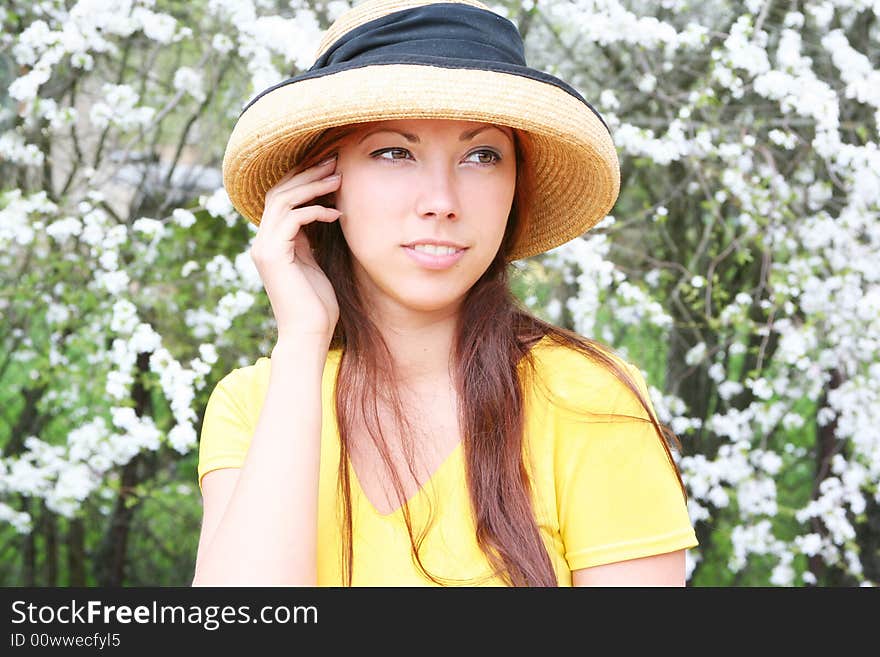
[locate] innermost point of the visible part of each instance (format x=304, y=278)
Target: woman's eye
x=390, y=150
x=494, y=157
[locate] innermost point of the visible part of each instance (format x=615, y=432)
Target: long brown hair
x=494, y=333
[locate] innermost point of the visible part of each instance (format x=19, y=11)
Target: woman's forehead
x=419, y=126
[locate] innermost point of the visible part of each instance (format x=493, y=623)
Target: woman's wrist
x=301, y=350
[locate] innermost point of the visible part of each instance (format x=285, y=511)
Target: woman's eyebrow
x=414, y=139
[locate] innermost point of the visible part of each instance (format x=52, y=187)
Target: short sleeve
x=618, y=495
x=227, y=427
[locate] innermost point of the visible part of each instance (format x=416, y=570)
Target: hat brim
x=575, y=171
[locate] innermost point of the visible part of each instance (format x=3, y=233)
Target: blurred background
x=740, y=267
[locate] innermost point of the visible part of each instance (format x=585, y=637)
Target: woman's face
x=436, y=182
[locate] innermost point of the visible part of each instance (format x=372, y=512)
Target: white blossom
x=188, y=267
x=149, y=227
x=15, y=150
x=208, y=353
x=222, y=43
x=63, y=229
x=183, y=438
x=119, y=107
x=219, y=205
x=124, y=318
x=190, y=81
x=159, y=27
x=183, y=218
x=695, y=354
x=19, y=520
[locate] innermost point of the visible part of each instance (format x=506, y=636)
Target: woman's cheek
x=365, y=242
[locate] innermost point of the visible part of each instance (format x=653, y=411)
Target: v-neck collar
x=431, y=481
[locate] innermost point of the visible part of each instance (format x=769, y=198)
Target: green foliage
x=166, y=532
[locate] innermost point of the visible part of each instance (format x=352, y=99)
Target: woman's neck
x=420, y=343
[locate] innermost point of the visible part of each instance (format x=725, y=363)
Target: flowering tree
x=126, y=279
x=748, y=136
x=736, y=269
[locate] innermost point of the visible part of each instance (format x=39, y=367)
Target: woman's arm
x=657, y=570
x=259, y=523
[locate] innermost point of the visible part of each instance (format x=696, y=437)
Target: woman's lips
x=431, y=261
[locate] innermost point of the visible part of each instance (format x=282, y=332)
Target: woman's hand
x=303, y=300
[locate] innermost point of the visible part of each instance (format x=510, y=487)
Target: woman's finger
x=296, y=196
x=289, y=225
x=293, y=198
x=310, y=174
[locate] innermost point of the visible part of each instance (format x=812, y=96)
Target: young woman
x=415, y=425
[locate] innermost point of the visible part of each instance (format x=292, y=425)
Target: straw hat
x=414, y=59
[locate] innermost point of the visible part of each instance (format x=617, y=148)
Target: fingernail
x=327, y=161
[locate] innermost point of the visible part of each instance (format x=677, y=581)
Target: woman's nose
x=439, y=194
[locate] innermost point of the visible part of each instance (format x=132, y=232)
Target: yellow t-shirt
x=603, y=488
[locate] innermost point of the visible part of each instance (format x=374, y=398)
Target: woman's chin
x=420, y=290
x=426, y=298
x=431, y=304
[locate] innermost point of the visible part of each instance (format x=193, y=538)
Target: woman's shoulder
x=254, y=377
x=244, y=376
x=583, y=381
